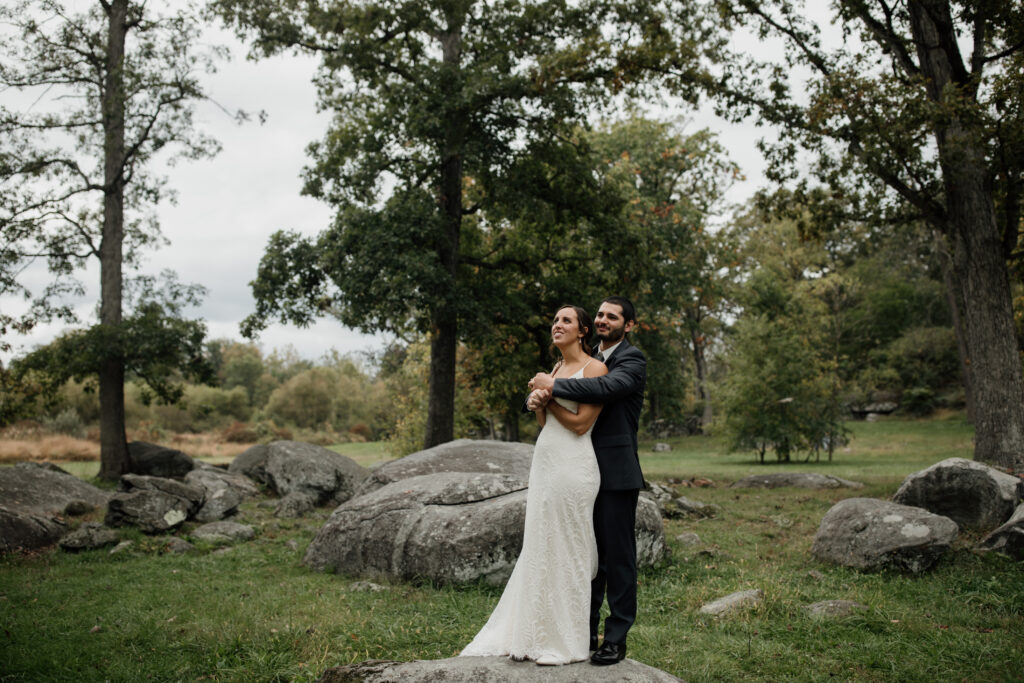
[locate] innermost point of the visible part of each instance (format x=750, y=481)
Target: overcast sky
x=229, y=205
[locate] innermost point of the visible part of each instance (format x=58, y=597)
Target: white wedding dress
x=544, y=613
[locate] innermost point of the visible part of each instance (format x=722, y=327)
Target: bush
x=241, y=432
x=65, y=422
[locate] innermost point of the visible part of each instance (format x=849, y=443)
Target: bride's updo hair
x=586, y=326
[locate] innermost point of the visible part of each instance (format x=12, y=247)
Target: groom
x=614, y=435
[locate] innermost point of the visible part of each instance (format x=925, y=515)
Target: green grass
x=256, y=614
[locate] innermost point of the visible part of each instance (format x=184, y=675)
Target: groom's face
x=609, y=325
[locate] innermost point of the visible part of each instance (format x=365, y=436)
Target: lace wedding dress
x=544, y=613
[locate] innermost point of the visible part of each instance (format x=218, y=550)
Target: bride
x=544, y=613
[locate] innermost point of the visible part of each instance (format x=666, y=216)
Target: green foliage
x=154, y=344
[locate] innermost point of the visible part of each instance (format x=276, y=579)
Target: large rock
x=152, y=460
x=447, y=527
x=802, y=480
x=303, y=474
x=734, y=602
x=461, y=455
x=153, y=504
x=21, y=530
x=224, y=492
x=872, y=535
x=89, y=536
x=1009, y=538
x=492, y=670
x=45, y=490
x=971, y=493
x=224, y=532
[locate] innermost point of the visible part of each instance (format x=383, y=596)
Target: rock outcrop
x=447, y=527
x=969, y=492
x=225, y=491
x=492, y=670
x=461, y=455
x=802, y=480
x=152, y=460
x=153, y=504
x=20, y=530
x=1009, y=538
x=302, y=474
x=45, y=489
x=873, y=535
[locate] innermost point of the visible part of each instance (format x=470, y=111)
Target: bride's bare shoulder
x=595, y=368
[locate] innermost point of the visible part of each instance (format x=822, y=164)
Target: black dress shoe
x=609, y=653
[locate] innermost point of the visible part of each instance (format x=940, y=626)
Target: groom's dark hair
x=628, y=312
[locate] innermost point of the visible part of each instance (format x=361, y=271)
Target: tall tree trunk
x=701, y=372
x=978, y=259
x=512, y=413
x=113, y=446
x=954, y=296
x=441, y=392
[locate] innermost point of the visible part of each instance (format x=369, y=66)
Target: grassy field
x=254, y=613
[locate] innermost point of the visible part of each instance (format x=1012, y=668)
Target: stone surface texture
x=225, y=491
x=1009, y=538
x=733, y=602
x=153, y=460
x=873, y=535
x=303, y=475
x=20, y=530
x=224, y=532
x=803, y=480
x=45, y=489
x=461, y=455
x=834, y=608
x=153, y=504
x=447, y=527
x=89, y=536
x=683, y=507
x=492, y=670
x=971, y=493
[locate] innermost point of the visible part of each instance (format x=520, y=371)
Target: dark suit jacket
x=621, y=392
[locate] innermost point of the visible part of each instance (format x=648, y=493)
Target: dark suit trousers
x=615, y=528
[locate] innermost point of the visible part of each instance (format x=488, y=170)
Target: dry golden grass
x=59, y=448
x=50, y=447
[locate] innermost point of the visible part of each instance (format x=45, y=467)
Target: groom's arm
x=627, y=377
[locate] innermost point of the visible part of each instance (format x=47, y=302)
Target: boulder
x=446, y=527
x=292, y=468
x=733, y=602
x=295, y=505
x=833, y=609
x=873, y=535
x=1009, y=538
x=252, y=463
x=662, y=447
x=21, y=530
x=178, y=546
x=688, y=538
x=153, y=504
x=661, y=495
x=461, y=455
x=802, y=480
x=45, y=490
x=224, y=492
x=152, y=460
x=971, y=493
x=492, y=670
x=687, y=507
x=224, y=532
x=89, y=536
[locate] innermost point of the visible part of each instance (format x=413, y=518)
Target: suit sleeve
x=626, y=378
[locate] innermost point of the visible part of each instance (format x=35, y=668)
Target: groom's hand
x=542, y=381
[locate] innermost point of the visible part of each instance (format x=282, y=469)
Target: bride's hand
x=538, y=399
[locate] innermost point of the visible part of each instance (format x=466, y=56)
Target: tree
x=430, y=98
x=106, y=91
x=915, y=115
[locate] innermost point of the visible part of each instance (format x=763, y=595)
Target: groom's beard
x=611, y=336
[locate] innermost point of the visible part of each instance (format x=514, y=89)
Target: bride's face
x=565, y=329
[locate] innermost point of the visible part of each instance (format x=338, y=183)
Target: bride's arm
x=579, y=422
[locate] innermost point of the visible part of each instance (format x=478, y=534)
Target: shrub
x=241, y=432
x=65, y=422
